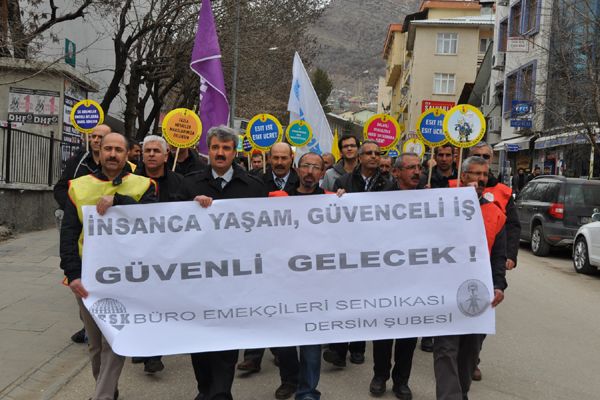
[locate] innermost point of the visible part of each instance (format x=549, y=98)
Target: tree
x=323, y=87
x=23, y=25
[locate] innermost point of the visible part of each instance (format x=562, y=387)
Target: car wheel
x=539, y=246
x=581, y=259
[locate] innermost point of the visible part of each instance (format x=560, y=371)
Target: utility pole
x=236, y=53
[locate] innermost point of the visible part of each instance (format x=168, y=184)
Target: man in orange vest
x=501, y=195
x=455, y=356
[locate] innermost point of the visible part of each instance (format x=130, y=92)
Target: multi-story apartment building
x=544, y=51
x=432, y=54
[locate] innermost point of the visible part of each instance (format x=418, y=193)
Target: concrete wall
x=24, y=209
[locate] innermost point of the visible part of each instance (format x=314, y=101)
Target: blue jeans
x=310, y=372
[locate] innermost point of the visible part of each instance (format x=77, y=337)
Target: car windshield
x=584, y=195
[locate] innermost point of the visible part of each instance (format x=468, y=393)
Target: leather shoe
x=476, y=374
x=357, y=358
x=79, y=336
x=248, y=366
x=402, y=392
x=377, y=386
x=334, y=358
x=152, y=365
x=427, y=344
x=285, y=391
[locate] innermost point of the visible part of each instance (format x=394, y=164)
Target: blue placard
x=432, y=128
x=521, y=123
x=247, y=145
x=393, y=153
x=87, y=117
x=520, y=108
x=264, y=133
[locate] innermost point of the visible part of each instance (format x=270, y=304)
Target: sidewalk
x=37, y=317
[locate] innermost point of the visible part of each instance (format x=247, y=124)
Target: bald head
x=96, y=137
x=281, y=159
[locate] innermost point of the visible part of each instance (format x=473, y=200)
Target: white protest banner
x=175, y=278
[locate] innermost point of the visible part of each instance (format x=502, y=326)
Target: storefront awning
x=515, y=144
x=561, y=139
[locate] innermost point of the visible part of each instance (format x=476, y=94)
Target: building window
x=483, y=44
x=520, y=85
x=444, y=83
x=531, y=16
x=515, y=20
x=503, y=35
x=446, y=43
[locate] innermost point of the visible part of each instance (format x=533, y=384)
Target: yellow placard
x=464, y=126
x=182, y=128
x=86, y=115
x=414, y=146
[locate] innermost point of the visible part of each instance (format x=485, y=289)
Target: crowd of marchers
x=114, y=171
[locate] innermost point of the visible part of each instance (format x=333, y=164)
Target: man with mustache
x=443, y=170
x=215, y=370
x=385, y=166
x=82, y=163
x=455, y=356
x=111, y=185
x=280, y=175
x=303, y=374
x=407, y=173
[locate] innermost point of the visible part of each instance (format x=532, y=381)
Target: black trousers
x=343, y=348
x=403, y=356
x=289, y=366
x=214, y=373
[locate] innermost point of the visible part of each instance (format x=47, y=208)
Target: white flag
x=304, y=105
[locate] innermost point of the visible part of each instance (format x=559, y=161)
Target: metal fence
x=31, y=158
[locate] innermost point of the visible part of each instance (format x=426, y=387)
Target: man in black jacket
x=155, y=153
x=82, y=163
x=406, y=172
x=443, y=170
x=215, y=370
x=366, y=177
x=110, y=186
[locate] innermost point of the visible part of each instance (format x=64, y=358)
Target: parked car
x=586, y=250
x=552, y=208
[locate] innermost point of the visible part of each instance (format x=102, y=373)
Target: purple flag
x=206, y=62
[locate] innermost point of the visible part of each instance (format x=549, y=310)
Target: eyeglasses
x=310, y=166
x=349, y=146
x=484, y=156
x=371, y=153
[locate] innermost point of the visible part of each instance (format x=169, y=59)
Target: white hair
x=155, y=138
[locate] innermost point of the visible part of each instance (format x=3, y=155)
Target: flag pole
x=236, y=55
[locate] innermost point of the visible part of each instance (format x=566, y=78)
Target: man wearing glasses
x=501, y=195
x=455, y=356
x=348, y=146
x=407, y=172
x=308, y=369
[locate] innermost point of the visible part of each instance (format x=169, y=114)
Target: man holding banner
x=215, y=370
x=111, y=185
x=455, y=357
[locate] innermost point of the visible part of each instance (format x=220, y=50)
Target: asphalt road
x=547, y=346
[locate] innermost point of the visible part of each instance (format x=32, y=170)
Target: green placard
x=70, y=53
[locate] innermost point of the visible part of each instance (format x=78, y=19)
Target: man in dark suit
x=280, y=175
x=215, y=370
